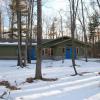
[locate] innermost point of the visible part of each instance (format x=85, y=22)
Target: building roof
x=46, y=43
x=66, y=41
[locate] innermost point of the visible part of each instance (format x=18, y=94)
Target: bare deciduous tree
x=73, y=11
x=38, y=74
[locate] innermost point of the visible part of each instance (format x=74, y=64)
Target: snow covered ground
x=67, y=87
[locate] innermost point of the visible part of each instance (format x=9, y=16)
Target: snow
x=95, y=97
x=67, y=87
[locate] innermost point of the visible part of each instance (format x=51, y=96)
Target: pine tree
x=93, y=24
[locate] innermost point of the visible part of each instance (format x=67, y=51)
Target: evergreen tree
x=93, y=24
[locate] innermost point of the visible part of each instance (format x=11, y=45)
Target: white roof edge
x=14, y=43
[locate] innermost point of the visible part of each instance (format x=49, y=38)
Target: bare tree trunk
x=12, y=20
x=31, y=24
x=0, y=26
x=3, y=30
x=26, y=44
x=93, y=46
x=84, y=30
x=38, y=74
x=72, y=12
x=19, y=35
x=61, y=26
x=61, y=20
x=98, y=3
x=28, y=37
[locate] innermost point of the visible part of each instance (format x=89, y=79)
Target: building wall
x=61, y=53
x=80, y=52
x=57, y=52
x=10, y=52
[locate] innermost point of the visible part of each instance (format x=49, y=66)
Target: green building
x=51, y=49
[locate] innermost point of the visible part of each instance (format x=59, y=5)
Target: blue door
x=33, y=54
x=69, y=53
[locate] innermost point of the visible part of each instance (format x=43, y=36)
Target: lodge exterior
x=52, y=49
x=62, y=48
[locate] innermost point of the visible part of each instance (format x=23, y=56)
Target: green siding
x=8, y=51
